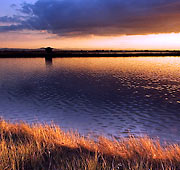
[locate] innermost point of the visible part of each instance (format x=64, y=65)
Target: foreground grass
x=43, y=147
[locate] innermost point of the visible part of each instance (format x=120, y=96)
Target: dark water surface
x=111, y=96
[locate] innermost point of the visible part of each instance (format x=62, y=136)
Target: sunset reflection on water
x=111, y=96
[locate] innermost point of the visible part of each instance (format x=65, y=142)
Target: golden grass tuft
x=47, y=147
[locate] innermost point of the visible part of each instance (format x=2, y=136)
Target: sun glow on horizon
x=38, y=39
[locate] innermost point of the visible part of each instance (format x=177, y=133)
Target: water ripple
x=111, y=96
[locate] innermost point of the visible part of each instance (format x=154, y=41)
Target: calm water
x=111, y=96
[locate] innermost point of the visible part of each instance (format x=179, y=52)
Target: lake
x=98, y=96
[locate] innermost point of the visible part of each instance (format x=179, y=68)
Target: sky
x=90, y=24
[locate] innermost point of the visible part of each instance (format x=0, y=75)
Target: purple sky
x=8, y=7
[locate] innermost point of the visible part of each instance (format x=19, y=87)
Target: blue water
x=109, y=96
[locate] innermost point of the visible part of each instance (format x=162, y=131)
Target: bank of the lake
x=40, y=146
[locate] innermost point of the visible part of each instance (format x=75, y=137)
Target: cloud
x=97, y=17
x=7, y=19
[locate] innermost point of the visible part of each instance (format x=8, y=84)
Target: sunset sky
x=90, y=24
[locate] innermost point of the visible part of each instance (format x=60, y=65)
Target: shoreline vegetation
x=47, y=147
x=4, y=53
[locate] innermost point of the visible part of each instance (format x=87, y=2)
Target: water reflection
x=113, y=96
x=48, y=62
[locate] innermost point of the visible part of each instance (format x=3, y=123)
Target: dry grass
x=43, y=147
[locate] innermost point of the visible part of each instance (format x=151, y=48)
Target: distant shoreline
x=100, y=53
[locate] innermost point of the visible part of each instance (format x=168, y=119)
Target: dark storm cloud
x=100, y=17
